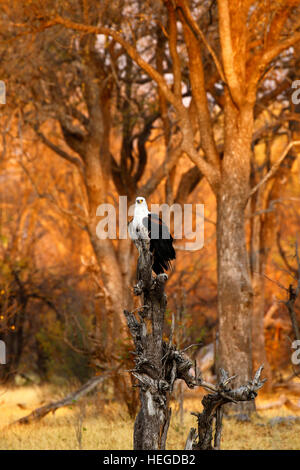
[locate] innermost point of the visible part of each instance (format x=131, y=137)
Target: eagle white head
x=141, y=202
x=140, y=208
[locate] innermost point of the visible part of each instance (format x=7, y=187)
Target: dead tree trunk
x=153, y=419
x=158, y=364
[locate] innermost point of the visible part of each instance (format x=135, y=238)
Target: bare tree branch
x=62, y=153
x=228, y=55
x=274, y=167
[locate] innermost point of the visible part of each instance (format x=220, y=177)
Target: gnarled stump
x=209, y=436
x=158, y=364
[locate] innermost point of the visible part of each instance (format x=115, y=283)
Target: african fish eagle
x=146, y=225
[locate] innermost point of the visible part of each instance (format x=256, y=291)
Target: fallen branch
x=293, y=387
x=273, y=404
x=70, y=399
x=155, y=379
x=282, y=401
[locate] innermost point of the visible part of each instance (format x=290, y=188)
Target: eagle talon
x=137, y=290
x=163, y=277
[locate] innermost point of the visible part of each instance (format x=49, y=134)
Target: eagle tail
x=163, y=252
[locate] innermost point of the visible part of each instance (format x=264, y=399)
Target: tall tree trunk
x=258, y=330
x=103, y=248
x=235, y=296
x=234, y=292
x=258, y=263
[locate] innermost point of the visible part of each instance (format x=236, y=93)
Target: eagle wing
x=161, y=243
x=130, y=228
x=157, y=229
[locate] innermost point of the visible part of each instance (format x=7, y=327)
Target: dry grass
x=107, y=425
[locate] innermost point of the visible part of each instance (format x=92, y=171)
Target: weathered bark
x=153, y=419
x=234, y=291
x=207, y=438
x=235, y=296
x=158, y=364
